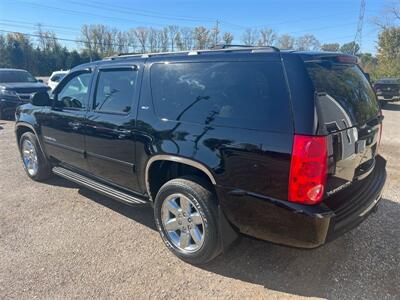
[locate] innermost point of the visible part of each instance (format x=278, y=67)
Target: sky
x=329, y=20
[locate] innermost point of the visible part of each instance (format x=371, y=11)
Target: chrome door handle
x=122, y=133
x=75, y=125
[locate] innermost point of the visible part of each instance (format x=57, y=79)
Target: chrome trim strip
x=63, y=146
x=371, y=206
x=82, y=180
x=177, y=159
x=114, y=160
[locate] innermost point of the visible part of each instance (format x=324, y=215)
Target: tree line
x=42, y=52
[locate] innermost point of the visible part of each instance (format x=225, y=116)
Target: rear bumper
x=304, y=226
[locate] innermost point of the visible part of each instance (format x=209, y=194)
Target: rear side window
x=234, y=94
x=346, y=84
x=115, y=90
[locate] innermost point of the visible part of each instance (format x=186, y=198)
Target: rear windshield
x=16, y=76
x=348, y=86
x=233, y=94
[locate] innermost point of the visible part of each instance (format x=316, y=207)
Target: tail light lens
x=308, y=169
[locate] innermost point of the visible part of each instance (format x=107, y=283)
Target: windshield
x=16, y=76
x=348, y=86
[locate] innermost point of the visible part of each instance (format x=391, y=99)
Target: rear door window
x=115, y=90
x=234, y=94
x=348, y=87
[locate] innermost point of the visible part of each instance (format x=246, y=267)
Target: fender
x=30, y=126
x=178, y=159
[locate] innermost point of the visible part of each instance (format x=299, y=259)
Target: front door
x=110, y=124
x=63, y=126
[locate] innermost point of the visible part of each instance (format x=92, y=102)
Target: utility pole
x=216, y=32
x=358, y=36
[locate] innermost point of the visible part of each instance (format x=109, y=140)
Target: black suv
x=281, y=146
x=387, y=90
x=16, y=88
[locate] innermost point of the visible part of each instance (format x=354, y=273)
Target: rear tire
x=34, y=161
x=192, y=236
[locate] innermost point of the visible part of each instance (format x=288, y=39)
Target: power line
x=125, y=10
x=44, y=24
x=79, y=13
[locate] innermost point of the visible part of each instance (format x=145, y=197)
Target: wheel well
x=162, y=171
x=21, y=130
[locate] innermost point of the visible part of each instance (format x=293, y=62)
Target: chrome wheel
x=183, y=223
x=30, y=157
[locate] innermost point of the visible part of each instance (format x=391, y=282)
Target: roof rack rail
x=217, y=48
x=238, y=46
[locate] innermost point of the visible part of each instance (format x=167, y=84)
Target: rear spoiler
x=333, y=57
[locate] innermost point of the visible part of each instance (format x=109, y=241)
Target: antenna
x=358, y=36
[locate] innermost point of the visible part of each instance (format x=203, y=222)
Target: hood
x=24, y=87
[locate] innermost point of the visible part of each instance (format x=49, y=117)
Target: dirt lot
x=58, y=240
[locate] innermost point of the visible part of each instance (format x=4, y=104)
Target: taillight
x=308, y=169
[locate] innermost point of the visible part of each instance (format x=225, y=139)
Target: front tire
x=34, y=161
x=185, y=211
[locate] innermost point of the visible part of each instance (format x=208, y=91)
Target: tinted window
x=74, y=94
x=16, y=76
x=234, y=94
x=115, y=91
x=346, y=84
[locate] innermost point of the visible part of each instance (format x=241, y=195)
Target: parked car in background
x=279, y=145
x=16, y=88
x=387, y=90
x=55, y=78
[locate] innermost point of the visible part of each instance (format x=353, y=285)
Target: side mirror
x=41, y=99
x=40, y=80
x=368, y=77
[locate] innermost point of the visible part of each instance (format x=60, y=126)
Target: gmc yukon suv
x=279, y=145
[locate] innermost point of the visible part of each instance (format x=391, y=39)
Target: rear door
x=349, y=113
x=110, y=124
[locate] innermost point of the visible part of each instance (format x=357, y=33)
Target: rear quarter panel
x=252, y=160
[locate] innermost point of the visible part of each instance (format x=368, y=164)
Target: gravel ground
x=58, y=240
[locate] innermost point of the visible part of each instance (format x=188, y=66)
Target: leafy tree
x=350, y=48
x=389, y=51
x=332, y=47
x=307, y=42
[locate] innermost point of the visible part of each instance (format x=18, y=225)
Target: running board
x=97, y=186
